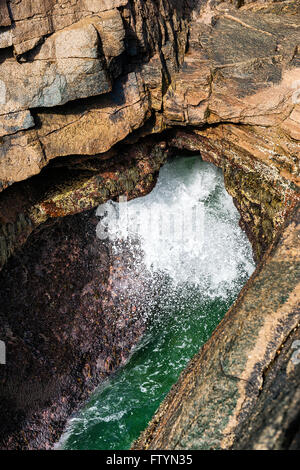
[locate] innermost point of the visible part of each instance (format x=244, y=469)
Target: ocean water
x=187, y=246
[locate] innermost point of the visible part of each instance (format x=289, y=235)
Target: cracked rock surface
x=242, y=389
x=94, y=95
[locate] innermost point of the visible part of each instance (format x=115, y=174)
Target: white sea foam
x=187, y=228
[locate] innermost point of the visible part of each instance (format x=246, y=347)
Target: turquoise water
x=183, y=313
x=122, y=407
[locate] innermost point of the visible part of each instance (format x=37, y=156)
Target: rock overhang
x=239, y=109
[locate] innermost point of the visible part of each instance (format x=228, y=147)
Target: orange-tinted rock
x=97, y=127
x=80, y=78
x=4, y=14
x=221, y=386
x=71, y=51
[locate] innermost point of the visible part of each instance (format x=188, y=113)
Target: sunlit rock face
x=65, y=326
x=133, y=71
x=64, y=60
x=78, y=80
x=60, y=52
x=80, y=49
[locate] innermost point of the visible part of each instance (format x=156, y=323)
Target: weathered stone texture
x=64, y=190
x=77, y=78
x=70, y=51
x=36, y=19
x=238, y=94
x=273, y=423
x=94, y=128
x=84, y=58
x=222, y=385
x=4, y=14
x=65, y=334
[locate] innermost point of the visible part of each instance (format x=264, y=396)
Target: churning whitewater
x=187, y=227
x=188, y=251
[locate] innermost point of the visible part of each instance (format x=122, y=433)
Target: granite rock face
x=94, y=95
x=242, y=389
x=238, y=94
x=59, y=52
x=109, y=71
x=33, y=21
x=126, y=55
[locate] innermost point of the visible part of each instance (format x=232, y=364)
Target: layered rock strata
x=57, y=52
x=67, y=324
x=62, y=190
x=238, y=94
x=94, y=95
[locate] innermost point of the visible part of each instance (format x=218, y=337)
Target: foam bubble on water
x=187, y=228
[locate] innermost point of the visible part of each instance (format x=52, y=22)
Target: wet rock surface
x=65, y=317
x=69, y=189
x=236, y=93
x=67, y=325
x=94, y=85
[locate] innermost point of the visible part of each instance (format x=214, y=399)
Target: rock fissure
x=102, y=93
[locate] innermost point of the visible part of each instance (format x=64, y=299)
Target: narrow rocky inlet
x=184, y=242
x=97, y=99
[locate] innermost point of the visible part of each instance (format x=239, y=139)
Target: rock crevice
x=94, y=95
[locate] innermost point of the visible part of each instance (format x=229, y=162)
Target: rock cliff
x=94, y=95
x=242, y=390
x=57, y=52
x=223, y=80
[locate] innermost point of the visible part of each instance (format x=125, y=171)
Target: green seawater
x=200, y=276
x=124, y=405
